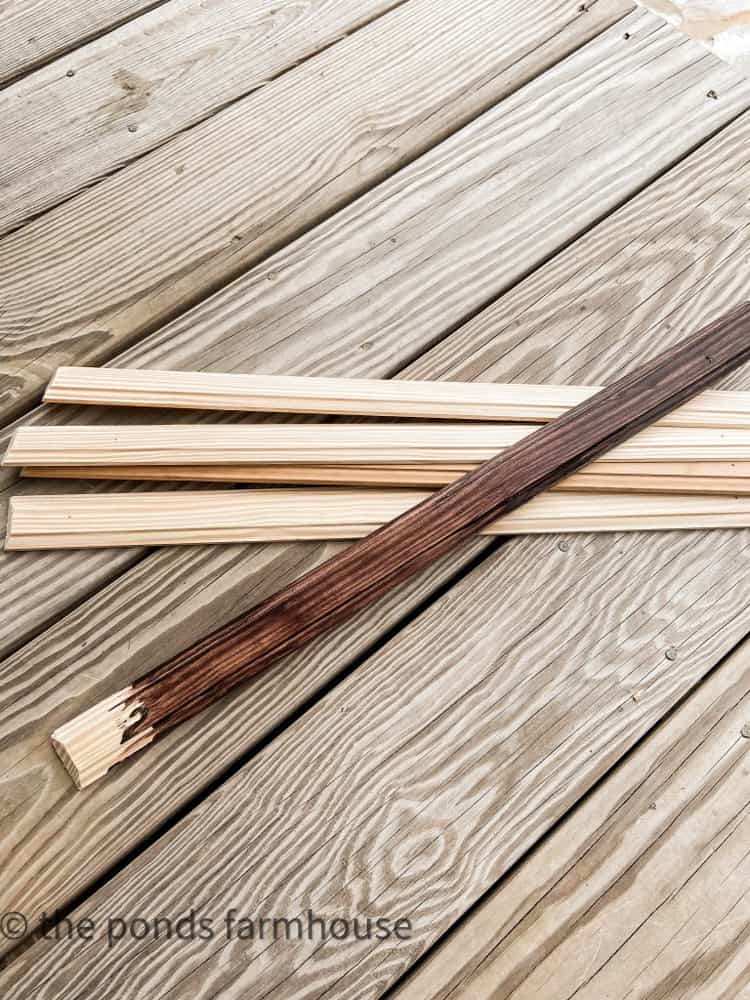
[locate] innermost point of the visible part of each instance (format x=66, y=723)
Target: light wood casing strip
x=361, y=397
x=121, y=519
x=354, y=444
x=637, y=477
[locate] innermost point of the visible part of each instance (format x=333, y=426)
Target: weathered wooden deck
x=534, y=752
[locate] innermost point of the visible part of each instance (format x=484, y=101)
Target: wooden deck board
x=642, y=890
x=87, y=115
x=347, y=299
x=228, y=191
x=635, y=598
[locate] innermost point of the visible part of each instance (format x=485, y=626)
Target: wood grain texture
x=34, y=591
x=461, y=761
x=352, y=444
x=119, y=631
x=641, y=892
x=263, y=170
x=229, y=516
x=375, y=299
x=671, y=592
x=635, y=477
x=89, y=113
x=363, y=397
x=658, y=250
x=171, y=595
x=35, y=33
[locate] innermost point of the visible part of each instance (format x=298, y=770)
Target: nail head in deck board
x=179, y=688
x=185, y=60
x=373, y=102
x=53, y=864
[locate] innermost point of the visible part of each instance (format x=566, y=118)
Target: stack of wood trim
x=691, y=469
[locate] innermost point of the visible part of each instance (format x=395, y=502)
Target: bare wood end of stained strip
x=95, y=741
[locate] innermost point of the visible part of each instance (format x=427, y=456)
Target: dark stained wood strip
x=327, y=595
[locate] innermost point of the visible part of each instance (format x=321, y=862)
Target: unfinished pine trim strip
x=182, y=686
x=91, y=521
x=322, y=444
x=361, y=397
x=638, y=477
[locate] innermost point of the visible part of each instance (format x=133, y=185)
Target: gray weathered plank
x=137, y=250
x=642, y=890
x=34, y=32
x=379, y=282
x=89, y=113
x=453, y=749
